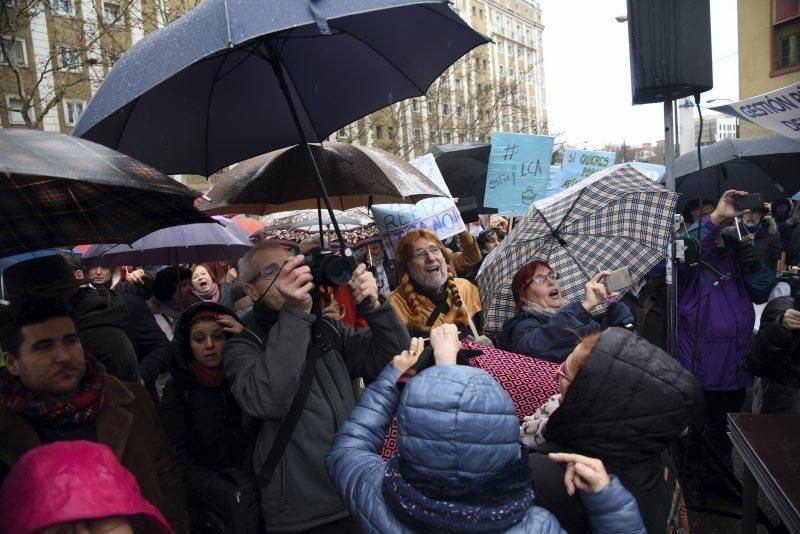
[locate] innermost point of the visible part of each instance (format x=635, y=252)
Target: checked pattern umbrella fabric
x=613, y=219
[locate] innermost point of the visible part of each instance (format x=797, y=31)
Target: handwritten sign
x=519, y=166
x=578, y=164
x=554, y=181
x=438, y=214
x=778, y=110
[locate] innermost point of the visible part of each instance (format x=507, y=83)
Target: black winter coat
x=625, y=406
x=777, y=349
x=203, y=424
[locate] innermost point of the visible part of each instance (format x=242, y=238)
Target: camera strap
x=316, y=350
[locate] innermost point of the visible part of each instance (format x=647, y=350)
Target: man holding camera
x=776, y=358
x=265, y=366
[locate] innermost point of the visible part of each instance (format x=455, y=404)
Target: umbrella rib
x=208, y=109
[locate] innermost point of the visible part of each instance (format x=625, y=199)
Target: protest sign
x=438, y=214
x=554, y=181
x=778, y=110
x=519, y=165
x=578, y=164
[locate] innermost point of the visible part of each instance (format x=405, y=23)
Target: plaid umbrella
x=615, y=218
x=58, y=191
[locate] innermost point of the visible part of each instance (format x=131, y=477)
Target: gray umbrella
x=231, y=80
x=285, y=180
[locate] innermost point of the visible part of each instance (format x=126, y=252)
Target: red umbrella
x=247, y=224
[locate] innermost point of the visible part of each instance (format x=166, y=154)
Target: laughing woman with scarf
x=545, y=326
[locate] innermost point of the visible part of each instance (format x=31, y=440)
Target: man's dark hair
x=28, y=310
x=167, y=280
x=693, y=205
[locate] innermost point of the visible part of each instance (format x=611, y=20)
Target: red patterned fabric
x=529, y=381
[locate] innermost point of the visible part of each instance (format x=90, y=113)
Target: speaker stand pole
x=669, y=177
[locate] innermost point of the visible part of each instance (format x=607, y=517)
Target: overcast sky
x=587, y=71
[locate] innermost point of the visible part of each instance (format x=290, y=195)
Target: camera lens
x=336, y=270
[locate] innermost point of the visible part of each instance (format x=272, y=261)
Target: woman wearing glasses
x=545, y=325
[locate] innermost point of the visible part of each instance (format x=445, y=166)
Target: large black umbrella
x=769, y=165
x=58, y=191
x=285, y=180
x=232, y=80
x=463, y=167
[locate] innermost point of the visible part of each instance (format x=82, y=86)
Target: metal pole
x=669, y=176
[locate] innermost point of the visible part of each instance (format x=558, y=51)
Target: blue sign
x=554, y=181
x=519, y=165
x=578, y=164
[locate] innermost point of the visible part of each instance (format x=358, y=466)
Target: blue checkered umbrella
x=615, y=218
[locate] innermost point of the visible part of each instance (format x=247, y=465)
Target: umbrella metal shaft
x=274, y=60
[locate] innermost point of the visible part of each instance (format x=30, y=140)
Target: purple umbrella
x=187, y=244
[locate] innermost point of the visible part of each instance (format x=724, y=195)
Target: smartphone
x=618, y=280
x=750, y=202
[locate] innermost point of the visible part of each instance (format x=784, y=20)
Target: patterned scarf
x=492, y=502
x=210, y=377
x=209, y=295
x=81, y=408
x=538, y=309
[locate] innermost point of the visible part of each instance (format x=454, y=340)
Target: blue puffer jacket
x=553, y=338
x=450, y=419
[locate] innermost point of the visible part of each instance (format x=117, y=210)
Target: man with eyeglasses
x=264, y=365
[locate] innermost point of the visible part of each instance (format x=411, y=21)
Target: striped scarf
x=82, y=407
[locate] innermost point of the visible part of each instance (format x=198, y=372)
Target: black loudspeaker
x=670, y=42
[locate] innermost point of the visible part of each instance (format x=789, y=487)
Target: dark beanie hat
x=167, y=280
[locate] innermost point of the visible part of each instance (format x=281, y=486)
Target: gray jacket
x=301, y=496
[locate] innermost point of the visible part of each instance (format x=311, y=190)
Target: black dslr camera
x=329, y=268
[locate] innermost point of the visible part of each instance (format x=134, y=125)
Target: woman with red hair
x=545, y=325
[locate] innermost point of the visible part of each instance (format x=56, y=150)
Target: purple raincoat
x=726, y=318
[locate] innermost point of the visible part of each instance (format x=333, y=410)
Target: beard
x=432, y=281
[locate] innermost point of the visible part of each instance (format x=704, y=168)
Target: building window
x=68, y=58
x=112, y=14
x=414, y=104
x=458, y=83
x=62, y=7
x=431, y=107
x=14, y=107
x=417, y=134
x=445, y=109
x=73, y=109
x=378, y=132
x=390, y=131
x=510, y=49
x=446, y=138
x=14, y=51
x=502, y=70
x=473, y=11
x=511, y=73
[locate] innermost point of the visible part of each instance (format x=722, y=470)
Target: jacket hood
x=99, y=307
x=626, y=404
x=181, y=351
x=69, y=481
x=456, y=421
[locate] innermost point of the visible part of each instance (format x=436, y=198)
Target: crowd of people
x=252, y=396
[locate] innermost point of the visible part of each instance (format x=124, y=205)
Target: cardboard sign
x=778, y=110
x=438, y=214
x=578, y=164
x=519, y=165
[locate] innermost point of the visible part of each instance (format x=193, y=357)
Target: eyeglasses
x=267, y=272
x=540, y=279
x=422, y=253
x=560, y=372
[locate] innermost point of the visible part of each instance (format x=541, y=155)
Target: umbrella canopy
x=251, y=226
x=56, y=191
x=284, y=180
x=769, y=165
x=188, y=244
x=463, y=167
x=615, y=218
x=222, y=83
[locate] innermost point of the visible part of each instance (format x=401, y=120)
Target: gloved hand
x=745, y=254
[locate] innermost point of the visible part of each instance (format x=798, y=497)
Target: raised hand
x=295, y=283
x=363, y=286
x=445, y=344
x=596, y=293
x=408, y=358
x=583, y=473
